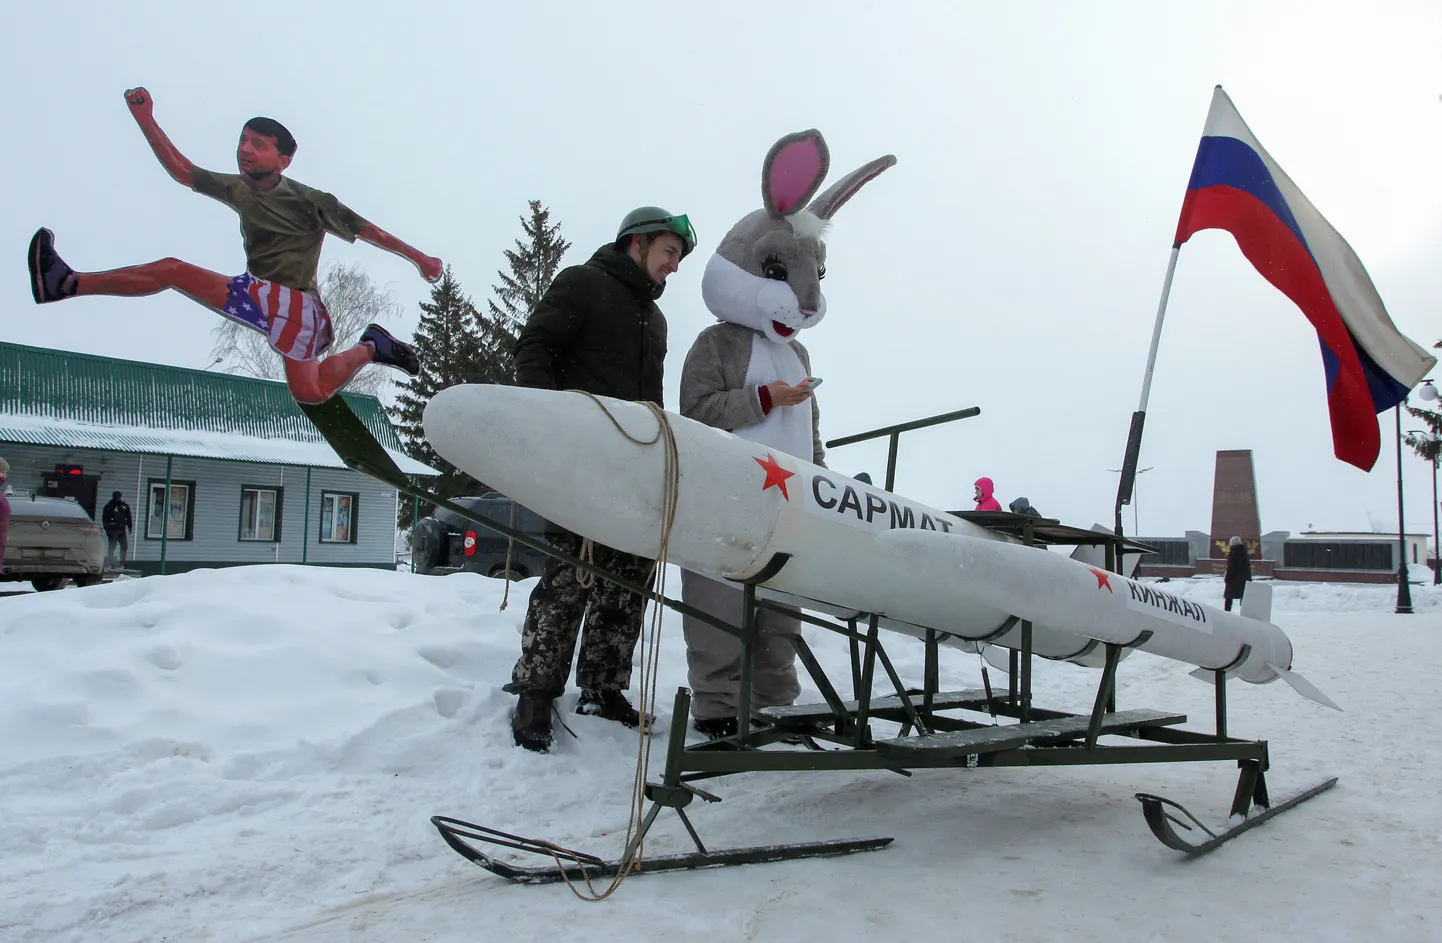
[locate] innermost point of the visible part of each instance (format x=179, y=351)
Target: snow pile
x=253, y=753
x=1288, y=596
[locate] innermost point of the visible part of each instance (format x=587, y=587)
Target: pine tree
x=456, y=343
x=1427, y=444
x=533, y=265
x=448, y=343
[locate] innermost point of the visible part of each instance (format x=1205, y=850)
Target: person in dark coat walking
x=597, y=329
x=4, y=508
x=116, y=520
x=1239, y=572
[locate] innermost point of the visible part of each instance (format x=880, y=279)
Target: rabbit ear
x=793, y=172
x=836, y=195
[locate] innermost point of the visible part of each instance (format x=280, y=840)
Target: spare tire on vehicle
x=428, y=545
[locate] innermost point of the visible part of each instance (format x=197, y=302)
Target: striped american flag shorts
x=296, y=322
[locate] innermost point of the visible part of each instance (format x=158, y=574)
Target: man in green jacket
x=597, y=329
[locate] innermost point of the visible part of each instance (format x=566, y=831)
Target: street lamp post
x=1428, y=393
x=1404, y=588
x=1434, y=443
x=1436, y=553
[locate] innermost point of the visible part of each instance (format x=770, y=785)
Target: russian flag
x=1370, y=365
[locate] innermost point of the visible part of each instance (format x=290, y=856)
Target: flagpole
x=1134, y=435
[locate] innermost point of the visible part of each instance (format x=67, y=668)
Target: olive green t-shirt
x=283, y=227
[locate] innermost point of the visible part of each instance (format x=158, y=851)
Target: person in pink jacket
x=985, y=496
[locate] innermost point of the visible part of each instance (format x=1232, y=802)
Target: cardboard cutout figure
x=282, y=224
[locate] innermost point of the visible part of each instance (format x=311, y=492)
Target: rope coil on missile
x=650, y=658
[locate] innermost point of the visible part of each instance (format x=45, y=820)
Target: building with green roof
x=218, y=469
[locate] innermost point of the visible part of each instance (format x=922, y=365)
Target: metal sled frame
x=939, y=729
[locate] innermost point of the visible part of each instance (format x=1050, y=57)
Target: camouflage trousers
x=553, y=623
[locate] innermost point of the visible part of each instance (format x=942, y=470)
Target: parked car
x=449, y=543
x=51, y=541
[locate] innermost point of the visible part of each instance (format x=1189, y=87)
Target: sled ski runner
x=1161, y=821
x=964, y=730
x=579, y=866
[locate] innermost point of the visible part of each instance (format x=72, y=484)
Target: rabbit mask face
x=766, y=273
x=766, y=277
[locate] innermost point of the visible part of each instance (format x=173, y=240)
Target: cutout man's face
x=257, y=155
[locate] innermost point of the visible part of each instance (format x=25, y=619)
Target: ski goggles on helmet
x=680, y=225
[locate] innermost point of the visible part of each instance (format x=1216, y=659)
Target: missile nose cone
x=548, y=451
x=451, y=409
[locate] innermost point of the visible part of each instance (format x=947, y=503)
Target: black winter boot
x=50, y=278
x=389, y=351
x=719, y=728
x=531, y=723
x=716, y=728
x=610, y=705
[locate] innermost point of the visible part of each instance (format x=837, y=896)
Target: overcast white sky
x=1011, y=260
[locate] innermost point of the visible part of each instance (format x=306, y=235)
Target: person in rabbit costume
x=749, y=375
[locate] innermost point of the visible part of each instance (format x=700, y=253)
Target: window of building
x=1338, y=555
x=338, y=510
x=173, y=519
x=260, y=509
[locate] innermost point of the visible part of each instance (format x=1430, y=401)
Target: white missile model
x=818, y=539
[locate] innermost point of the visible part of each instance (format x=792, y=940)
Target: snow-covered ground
x=253, y=754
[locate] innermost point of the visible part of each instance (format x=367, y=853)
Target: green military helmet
x=654, y=219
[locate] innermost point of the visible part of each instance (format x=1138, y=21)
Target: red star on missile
x=775, y=475
x=1103, y=578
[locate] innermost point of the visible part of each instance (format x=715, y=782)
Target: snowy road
x=253, y=753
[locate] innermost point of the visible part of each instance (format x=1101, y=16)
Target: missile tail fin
x=1204, y=674
x=1304, y=687
x=997, y=658
x=1257, y=602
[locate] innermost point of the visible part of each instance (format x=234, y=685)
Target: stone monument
x=1235, y=513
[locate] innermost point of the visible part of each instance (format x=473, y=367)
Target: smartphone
x=810, y=383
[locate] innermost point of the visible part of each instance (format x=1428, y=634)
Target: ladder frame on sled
x=931, y=736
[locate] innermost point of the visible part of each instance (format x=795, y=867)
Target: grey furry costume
x=764, y=285
x=716, y=390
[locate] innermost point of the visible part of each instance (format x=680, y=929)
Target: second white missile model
x=825, y=541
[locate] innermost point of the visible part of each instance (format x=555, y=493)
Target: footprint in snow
x=164, y=657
